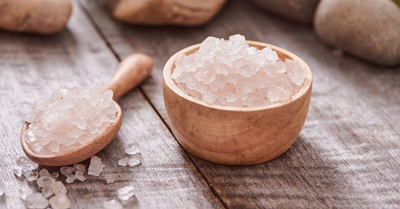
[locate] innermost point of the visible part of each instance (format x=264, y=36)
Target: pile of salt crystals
x=231, y=73
x=69, y=118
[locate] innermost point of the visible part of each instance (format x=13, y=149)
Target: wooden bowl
x=235, y=135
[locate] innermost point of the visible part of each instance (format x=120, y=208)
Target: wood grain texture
x=347, y=155
x=33, y=66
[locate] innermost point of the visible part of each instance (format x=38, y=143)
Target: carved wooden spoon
x=131, y=72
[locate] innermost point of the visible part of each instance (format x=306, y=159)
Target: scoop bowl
x=235, y=135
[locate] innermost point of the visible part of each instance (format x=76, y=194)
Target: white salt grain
x=26, y=164
x=17, y=171
x=232, y=73
x=126, y=192
x=47, y=192
x=36, y=200
x=58, y=188
x=30, y=175
x=134, y=160
x=80, y=168
x=45, y=181
x=67, y=171
x=79, y=176
x=112, y=204
x=133, y=148
x=60, y=201
x=24, y=192
x=96, y=166
x=69, y=118
x=44, y=172
x=109, y=179
x=70, y=179
x=124, y=161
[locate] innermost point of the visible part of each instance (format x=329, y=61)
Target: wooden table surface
x=347, y=155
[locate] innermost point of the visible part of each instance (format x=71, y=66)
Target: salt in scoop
x=131, y=72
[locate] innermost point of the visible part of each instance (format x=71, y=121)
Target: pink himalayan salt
x=69, y=118
x=231, y=73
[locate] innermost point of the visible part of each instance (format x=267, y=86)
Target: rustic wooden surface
x=347, y=155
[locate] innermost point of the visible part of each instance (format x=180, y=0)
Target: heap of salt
x=69, y=118
x=231, y=73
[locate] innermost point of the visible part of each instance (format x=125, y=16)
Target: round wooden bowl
x=235, y=135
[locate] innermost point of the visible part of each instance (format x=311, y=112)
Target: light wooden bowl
x=235, y=135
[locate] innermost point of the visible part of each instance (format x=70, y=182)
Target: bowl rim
x=170, y=65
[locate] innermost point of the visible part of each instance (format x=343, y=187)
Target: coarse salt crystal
x=60, y=201
x=134, y=160
x=124, y=161
x=36, y=200
x=96, y=166
x=133, y=148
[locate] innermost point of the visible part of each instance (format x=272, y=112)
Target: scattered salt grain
x=44, y=172
x=36, y=200
x=26, y=164
x=132, y=148
x=79, y=176
x=124, y=161
x=69, y=118
x=45, y=181
x=109, y=179
x=47, y=192
x=79, y=167
x=231, y=73
x=126, y=192
x=70, y=179
x=30, y=175
x=17, y=171
x=134, y=160
x=96, y=166
x=112, y=204
x=24, y=192
x=60, y=201
x=58, y=188
x=67, y=171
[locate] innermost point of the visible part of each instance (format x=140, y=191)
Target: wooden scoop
x=131, y=72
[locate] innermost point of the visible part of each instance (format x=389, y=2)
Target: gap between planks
x=109, y=46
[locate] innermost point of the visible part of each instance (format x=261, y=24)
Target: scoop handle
x=131, y=71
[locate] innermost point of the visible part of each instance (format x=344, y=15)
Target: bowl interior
x=282, y=53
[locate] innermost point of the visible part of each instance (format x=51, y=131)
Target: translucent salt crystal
x=30, y=175
x=70, y=117
x=209, y=97
x=134, y=160
x=126, y=192
x=276, y=94
x=60, y=201
x=70, y=179
x=297, y=76
x=45, y=181
x=26, y=164
x=17, y=171
x=96, y=166
x=112, y=204
x=133, y=148
x=24, y=192
x=36, y=200
x=67, y=171
x=58, y=188
x=79, y=167
x=109, y=179
x=2, y=189
x=124, y=161
x=79, y=176
x=47, y=192
x=44, y=172
x=54, y=175
x=247, y=71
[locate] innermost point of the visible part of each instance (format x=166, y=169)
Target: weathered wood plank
x=347, y=155
x=32, y=67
